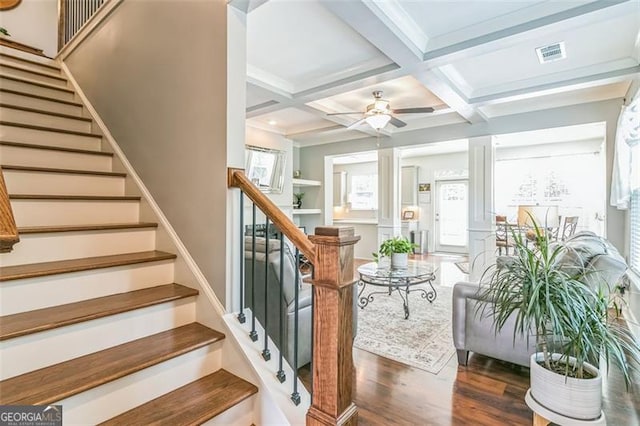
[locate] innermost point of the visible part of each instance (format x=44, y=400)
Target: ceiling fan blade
x=343, y=113
x=397, y=123
x=420, y=110
x=355, y=124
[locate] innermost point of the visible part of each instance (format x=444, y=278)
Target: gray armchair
x=272, y=273
x=594, y=257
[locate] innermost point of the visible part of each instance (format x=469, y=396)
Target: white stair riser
x=31, y=57
x=106, y=401
x=27, y=353
x=30, y=102
x=36, y=248
x=239, y=414
x=14, y=72
x=73, y=212
x=34, y=89
x=42, y=292
x=25, y=182
x=45, y=137
x=38, y=119
x=20, y=156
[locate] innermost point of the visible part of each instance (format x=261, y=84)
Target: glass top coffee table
x=403, y=281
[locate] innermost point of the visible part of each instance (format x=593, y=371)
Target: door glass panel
x=454, y=208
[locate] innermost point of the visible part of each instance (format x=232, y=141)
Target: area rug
x=463, y=266
x=423, y=341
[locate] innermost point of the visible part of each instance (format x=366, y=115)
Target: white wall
x=163, y=96
x=34, y=23
x=429, y=168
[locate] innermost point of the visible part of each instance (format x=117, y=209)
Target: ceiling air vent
x=552, y=52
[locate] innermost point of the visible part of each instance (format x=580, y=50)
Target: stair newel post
x=332, y=400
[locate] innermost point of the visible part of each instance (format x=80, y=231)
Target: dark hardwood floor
x=486, y=392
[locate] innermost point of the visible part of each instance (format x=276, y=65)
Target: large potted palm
x=567, y=310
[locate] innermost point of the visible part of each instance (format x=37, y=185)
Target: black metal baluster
x=253, y=334
x=280, y=374
x=241, y=316
x=265, y=352
x=295, y=396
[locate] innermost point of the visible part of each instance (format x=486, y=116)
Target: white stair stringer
x=42, y=292
x=31, y=352
x=47, y=247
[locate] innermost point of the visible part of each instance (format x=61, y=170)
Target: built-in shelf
x=306, y=182
x=306, y=211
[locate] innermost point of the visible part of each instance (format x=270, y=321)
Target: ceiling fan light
x=378, y=121
x=381, y=105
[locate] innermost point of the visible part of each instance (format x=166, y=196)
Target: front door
x=452, y=216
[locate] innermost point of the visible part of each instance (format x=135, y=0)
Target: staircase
x=90, y=315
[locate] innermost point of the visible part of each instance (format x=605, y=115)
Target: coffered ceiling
x=469, y=60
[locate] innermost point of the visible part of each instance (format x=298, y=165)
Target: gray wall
x=605, y=111
x=156, y=74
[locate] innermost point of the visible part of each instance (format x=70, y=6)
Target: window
x=363, y=192
x=634, y=211
x=265, y=168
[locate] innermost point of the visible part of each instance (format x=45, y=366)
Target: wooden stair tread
x=30, y=322
x=63, y=171
x=45, y=98
x=54, y=148
x=74, y=228
x=192, y=404
x=29, y=61
x=68, y=378
x=31, y=270
x=36, y=83
x=50, y=129
x=45, y=112
x=75, y=197
x=32, y=71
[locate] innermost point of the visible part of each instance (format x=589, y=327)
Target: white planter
x=568, y=396
x=399, y=260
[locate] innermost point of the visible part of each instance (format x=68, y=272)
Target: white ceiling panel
x=607, y=42
x=573, y=97
x=257, y=96
x=289, y=120
x=301, y=45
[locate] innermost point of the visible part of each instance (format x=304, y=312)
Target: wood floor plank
x=24, y=323
x=79, y=228
x=63, y=380
x=192, y=404
x=32, y=270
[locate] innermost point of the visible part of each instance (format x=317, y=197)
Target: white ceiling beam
x=558, y=86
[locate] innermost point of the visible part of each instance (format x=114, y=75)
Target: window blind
x=634, y=261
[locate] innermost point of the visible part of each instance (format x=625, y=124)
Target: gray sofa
x=272, y=273
x=584, y=253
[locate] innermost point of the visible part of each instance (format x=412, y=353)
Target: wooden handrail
x=8, y=230
x=237, y=179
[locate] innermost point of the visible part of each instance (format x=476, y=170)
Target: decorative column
x=482, y=238
x=389, y=224
x=332, y=400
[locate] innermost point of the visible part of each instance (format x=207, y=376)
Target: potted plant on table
x=571, y=320
x=398, y=249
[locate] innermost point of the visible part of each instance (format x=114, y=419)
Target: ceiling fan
x=379, y=113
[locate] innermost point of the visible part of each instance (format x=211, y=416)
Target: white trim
x=205, y=287
x=88, y=28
